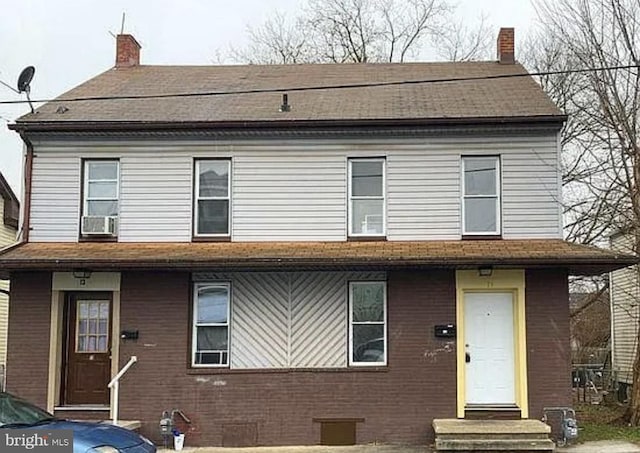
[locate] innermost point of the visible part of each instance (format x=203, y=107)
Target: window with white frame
x=211, y=308
x=101, y=188
x=368, y=323
x=366, y=197
x=213, y=197
x=481, y=195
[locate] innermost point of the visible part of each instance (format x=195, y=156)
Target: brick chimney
x=127, y=51
x=506, y=46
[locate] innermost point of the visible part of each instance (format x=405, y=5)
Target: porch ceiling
x=578, y=259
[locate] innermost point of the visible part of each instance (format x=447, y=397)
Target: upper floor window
x=366, y=197
x=101, y=193
x=210, y=342
x=213, y=197
x=481, y=195
x=368, y=323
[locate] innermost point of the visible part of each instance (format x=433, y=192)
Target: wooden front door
x=87, y=367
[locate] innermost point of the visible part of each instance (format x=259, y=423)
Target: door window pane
x=92, y=326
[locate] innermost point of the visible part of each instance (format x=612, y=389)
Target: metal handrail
x=115, y=385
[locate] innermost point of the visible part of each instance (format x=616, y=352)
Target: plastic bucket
x=178, y=442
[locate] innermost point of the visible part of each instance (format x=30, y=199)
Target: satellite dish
x=24, y=82
x=25, y=78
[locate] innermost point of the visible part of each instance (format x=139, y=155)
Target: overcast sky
x=68, y=42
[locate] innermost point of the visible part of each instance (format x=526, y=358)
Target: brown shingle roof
x=513, y=97
x=578, y=259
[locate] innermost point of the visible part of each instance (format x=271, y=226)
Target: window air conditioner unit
x=93, y=225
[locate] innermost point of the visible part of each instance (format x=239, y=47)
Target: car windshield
x=14, y=411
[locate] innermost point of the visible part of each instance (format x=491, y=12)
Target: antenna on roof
x=121, y=26
x=24, y=83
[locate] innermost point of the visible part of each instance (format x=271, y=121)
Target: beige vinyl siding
x=289, y=194
x=7, y=237
x=155, y=198
x=296, y=190
x=625, y=313
x=55, y=197
x=289, y=319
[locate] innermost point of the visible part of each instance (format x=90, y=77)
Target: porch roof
x=578, y=259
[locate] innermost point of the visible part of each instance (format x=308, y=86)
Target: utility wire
x=322, y=87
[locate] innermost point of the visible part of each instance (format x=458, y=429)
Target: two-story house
x=9, y=213
x=295, y=253
x=625, y=315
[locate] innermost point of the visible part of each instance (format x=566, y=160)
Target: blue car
x=87, y=437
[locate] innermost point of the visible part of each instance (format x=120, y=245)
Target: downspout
x=28, y=169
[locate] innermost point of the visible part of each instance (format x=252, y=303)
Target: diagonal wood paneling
x=318, y=320
x=259, y=320
x=283, y=319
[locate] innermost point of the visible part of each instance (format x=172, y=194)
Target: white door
x=489, y=349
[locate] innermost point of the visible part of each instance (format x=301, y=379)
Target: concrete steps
x=492, y=436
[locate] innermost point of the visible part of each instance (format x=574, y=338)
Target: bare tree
x=601, y=145
x=275, y=42
x=360, y=31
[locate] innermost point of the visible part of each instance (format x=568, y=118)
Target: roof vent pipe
x=285, y=107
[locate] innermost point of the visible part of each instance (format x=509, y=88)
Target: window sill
x=98, y=239
x=216, y=371
x=366, y=238
x=481, y=237
x=211, y=239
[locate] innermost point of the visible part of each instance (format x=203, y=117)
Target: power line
x=324, y=87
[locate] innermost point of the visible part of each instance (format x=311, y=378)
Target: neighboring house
x=9, y=213
x=590, y=325
x=350, y=262
x=625, y=314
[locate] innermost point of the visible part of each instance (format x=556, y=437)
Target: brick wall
x=397, y=404
x=28, y=337
x=549, y=359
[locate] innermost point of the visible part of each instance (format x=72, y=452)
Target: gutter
x=140, y=126
x=28, y=172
